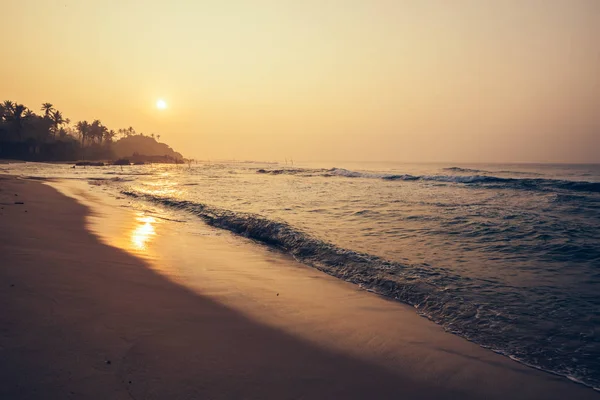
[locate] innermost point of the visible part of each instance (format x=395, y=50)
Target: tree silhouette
x=8, y=106
x=83, y=127
x=17, y=117
x=97, y=131
x=57, y=121
x=48, y=109
x=109, y=136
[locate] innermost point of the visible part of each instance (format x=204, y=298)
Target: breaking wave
x=483, y=171
x=480, y=180
x=412, y=284
x=437, y=293
x=466, y=170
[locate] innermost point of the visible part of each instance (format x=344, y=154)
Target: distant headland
x=49, y=136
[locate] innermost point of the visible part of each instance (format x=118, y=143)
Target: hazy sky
x=396, y=80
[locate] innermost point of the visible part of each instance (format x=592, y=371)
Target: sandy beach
x=92, y=311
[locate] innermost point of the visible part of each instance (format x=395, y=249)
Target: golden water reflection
x=162, y=187
x=143, y=233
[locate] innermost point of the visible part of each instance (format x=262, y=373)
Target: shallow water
x=505, y=255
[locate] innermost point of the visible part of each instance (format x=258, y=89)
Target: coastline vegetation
x=50, y=136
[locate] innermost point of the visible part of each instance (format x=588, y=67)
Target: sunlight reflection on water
x=143, y=233
x=164, y=187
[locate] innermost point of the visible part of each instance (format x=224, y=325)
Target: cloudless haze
x=466, y=81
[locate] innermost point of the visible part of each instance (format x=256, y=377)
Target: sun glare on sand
x=161, y=104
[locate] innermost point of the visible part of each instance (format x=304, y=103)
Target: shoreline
x=151, y=326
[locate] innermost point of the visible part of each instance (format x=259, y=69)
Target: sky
x=326, y=80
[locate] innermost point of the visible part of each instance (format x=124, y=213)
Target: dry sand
x=82, y=318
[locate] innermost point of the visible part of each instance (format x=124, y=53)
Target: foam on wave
x=411, y=284
x=460, y=169
x=483, y=171
x=436, y=293
x=478, y=179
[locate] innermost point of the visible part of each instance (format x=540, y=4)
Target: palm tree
x=102, y=133
x=94, y=128
x=8, y=106
x=109, y=136
x=48, y=109
x=18, y=117
x=6, y=109
x=57, y=121
x=97, y=130
x=83, y=127
x=158, y=137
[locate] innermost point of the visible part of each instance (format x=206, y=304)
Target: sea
x=506, y=256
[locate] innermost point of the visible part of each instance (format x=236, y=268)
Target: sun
x=161, y=104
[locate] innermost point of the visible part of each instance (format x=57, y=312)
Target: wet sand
x=89, y=310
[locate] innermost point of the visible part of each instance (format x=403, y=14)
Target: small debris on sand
x=19, y=202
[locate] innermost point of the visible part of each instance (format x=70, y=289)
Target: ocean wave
x=350, y=174
x=404, y=177
x=467, y=170
x=437, y=293
x=411, y=284
x=127, y=173
x=99, y=181
x=540, y=184
x=483, y=171
x=282, y=171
